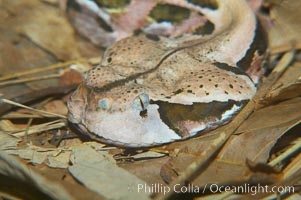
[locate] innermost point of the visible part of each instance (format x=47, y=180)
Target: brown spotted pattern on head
x=191, y=81
x=126, y=58
x=100, y=76
x=139, y=51
x=120, y=98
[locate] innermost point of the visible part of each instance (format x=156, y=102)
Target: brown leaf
x=24, y=183
x=56, y=106
x=273, y=116
x=288, y=87
x=147, y=170
x=286, y=25
x=98, y=172
x=19, y=53
x=49, y=29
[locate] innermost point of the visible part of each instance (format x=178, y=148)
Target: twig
x=38, y=128
x=17, y=115
x=296, y=147
x=45, y=113
x=5, y=83
x=37, y=70
x=285, y=47
x=195, y=168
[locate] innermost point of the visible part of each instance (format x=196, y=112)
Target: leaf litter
x=222, y=157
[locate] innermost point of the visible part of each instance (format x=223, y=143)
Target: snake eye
x=103, y=104
x=141, y=102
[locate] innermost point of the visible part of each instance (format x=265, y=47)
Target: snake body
x=150, y=90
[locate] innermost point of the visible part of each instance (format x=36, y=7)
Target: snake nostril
x=141, y=102
x=143, y=113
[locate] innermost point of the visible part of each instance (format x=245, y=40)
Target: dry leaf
x=61, y=160
x=147, y=170
x=7, y=141
x=56, y=106
x=34, y=155
x=22, y=182
x=49, y=29
x=286, y=26
x=98, y=172
x=148, y=155
x=288, y=87
x=273, y=116
x=56, y=157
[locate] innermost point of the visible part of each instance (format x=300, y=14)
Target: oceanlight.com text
x=212, y=188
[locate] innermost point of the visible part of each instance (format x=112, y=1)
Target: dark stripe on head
x=174, y=115
x=259, y=44
x=112, y=4
x=170, y=13
x=227, y=67
x=104, y=25
x=207, y=3
x=153, y=37
x=72, y=4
